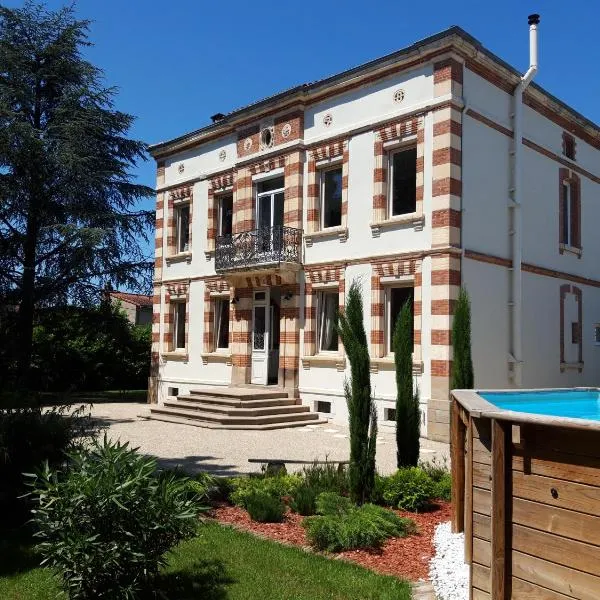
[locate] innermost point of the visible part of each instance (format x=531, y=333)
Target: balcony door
x=269, y=206
x=261, y=333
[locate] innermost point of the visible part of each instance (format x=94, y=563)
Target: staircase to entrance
x=252, y=407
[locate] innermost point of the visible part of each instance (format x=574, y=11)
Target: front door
x=260, y=337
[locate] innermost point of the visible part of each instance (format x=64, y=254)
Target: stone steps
x=236, y=402
x=241, y=410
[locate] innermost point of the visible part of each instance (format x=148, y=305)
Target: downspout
x=516, y=357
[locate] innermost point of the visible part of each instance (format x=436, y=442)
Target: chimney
x=533, y=21
x=217, y=117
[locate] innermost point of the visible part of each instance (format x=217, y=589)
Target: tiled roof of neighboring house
x=137, y=299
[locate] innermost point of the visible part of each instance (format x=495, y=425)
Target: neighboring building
x=137, y=307
x=399, y=173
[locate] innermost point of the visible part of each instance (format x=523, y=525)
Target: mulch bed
x=407, y=557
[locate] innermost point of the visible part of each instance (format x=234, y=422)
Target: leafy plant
x=264, y=507
x=106, y=522
x=304, y=501
x=327, y=477
x=361, y=408
x=410, y=488
x=344, y=526
x=408, y=416
x=462, y=376
x=278, y=486
x=441, y=477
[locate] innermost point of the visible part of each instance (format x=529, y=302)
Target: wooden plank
x=481, y=577
x=482, y=475
x=580, y=469
x=555, y=577
x=480, y=595
x=482, y=526
x=481, y=457
x=482, y=446
x=565, y=440
x=482, y=552
x=557, y=492
x=523, y=590
x=556, y=549
x=482, y=428
x=468, y=519
x=457, y=448
x=482, y=501
x=567, y=523
x=500, y=458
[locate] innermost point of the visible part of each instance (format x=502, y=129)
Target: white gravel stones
x=448, y=571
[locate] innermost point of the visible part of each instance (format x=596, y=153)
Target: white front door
x=260, y=337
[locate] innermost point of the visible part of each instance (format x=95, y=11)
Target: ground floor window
x=327, y=311
x=222, y=323
x=395, y=298
x=179, y=310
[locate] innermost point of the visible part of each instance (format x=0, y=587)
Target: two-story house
x=433, y=167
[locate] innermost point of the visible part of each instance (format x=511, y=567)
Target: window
x=569, y=146
x=331, y=197
x=597, y=334
x=182, y=220
x=395, y=298
x=222, y=323
x=225, y=215
x=179, y=325
x=566, y=213
x=575, y=333
x=403, y=182
x=322, y=406
x=172, y=391
x=327, y=310
x=389, y=414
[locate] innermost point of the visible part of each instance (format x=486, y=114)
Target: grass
x=225, y=564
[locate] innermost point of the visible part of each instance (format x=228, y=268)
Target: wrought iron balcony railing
x=258, y=247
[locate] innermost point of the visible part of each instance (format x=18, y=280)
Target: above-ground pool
x=526, y=491
x=572, y=403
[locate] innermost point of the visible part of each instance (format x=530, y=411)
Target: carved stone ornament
x=247, y=144
x=181, y=167
x=222, y=155
x=286, y=130
x=327, y=120
x=399, y=95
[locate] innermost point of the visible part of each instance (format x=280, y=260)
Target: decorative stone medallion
x=399, y=95
x=181, y=167
x=286, y=130
x=327, y=120
x=247, y=144
x=222, y=155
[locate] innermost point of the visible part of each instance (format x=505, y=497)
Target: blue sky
x=177, y=63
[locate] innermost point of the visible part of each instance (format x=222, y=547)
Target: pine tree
x=408, y=416
x=462, y=363
x=69, y=218
x=361, y=408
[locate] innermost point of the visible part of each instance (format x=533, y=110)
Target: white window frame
x=217, y=300
x=178, y=228
x=177, y=304
x=390, y=177
x=220, y=212
x=336, y=166
x=320, y=315
x=387, y=310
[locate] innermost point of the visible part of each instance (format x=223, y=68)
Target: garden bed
x=407, y=558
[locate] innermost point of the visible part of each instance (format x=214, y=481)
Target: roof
x=137, y=299
x=303, y=90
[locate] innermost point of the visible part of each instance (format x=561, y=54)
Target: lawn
x=224, y=564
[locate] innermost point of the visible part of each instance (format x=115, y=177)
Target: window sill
x=224, y=357
x=179, y=257
x=417, y=220
x=176, y=355
x=386, y=363
x=340, y=232
x=325, y=360
x=562, y=248
x=571, y=366
x=209, y=254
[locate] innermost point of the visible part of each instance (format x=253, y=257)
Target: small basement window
x=172, y=391
x=322, y=406
x=389, y=414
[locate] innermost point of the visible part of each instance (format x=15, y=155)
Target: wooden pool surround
x=526, y=493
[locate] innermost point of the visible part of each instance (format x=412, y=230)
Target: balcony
x=268, y=248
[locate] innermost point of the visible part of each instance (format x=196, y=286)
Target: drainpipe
x=516, y=234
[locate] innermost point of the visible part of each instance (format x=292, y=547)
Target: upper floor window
x=331, y=197
x=225, y=215
x=402, y=181
x=327, y=311
x=566, y=213
x=395, y=299
x=222, y=323
x=568, y=145
x=179, y=314
x=570, y=211
x=182, y=221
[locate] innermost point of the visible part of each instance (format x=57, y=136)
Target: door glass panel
x=264, y=212
x=259, y=327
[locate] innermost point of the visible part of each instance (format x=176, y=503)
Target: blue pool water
x=578, y=404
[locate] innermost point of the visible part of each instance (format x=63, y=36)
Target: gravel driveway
x=226, y=452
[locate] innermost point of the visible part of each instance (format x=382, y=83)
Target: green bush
x=278, y=486
x=106, y=522
x=304, y=501
x=410, y=489
x=440, y=474
x=344, y=526
x=28, y=438
x=318, y=478
x=264, y=507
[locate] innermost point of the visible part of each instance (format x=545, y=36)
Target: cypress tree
x=361, y=409
x=408, y=416
x=462, y=364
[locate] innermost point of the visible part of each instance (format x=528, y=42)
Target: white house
x=406, y=173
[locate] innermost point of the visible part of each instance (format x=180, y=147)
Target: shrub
x=344, y=526
x=410, y=489
x=278, y=486
x=440, y=474
x=462, y=376
x=264, y=507
x=318, y=478
x=304, y=501
x=105, y=523
x=443, y=488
